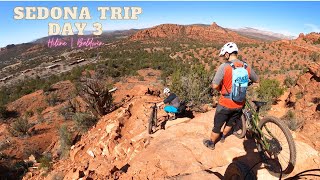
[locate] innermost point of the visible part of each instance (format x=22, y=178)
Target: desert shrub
x=315, y=56
x=39, y=110
x=299, y=95
x=4, y=144
x=67, y=111
x=40, y=118
x=289, y=82
x=293, y=122
x=269, y=90
x=47, y=87
x=95, y=92
x=65, y=140
x=141, y=78
x=45, y=162
x=20, y=127
x=84, y=121
x=29, y=113
x=317, y=41
x=52, y=99
x=192, y=85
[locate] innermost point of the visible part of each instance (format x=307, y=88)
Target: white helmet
x=230, y=47
x=166, y=90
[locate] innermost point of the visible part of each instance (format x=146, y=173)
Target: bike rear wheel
x=240, y=129
x=282, y=148
x=151, y=121
x=155, y=116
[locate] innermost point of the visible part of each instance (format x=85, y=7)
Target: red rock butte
x=212, y=33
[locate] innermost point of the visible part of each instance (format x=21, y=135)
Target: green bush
x=67, y=111
x=315, y=57
x=52, y=99
x=192, y=85
x=41, y=118
x=29, y=113
x=39, y=110
x=84, y=121
x=45, y=162
x=4, y=144
x=317, y=41
x=141, y=78
x=65, y=140
x=269, y=90
x=289, y=82
x=299, y=95
x=293, y=122
x=20, y=127
x=47, y=87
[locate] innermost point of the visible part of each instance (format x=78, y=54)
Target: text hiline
x=74, y=42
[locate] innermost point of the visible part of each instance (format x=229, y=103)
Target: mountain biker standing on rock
x=231, y=80
x=172, y=101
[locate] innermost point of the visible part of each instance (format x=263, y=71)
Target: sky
x=289, y=18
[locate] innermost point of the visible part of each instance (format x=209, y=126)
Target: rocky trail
x=120, y=148
x=178, y=153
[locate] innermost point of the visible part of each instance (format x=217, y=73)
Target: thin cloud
x=313, y=27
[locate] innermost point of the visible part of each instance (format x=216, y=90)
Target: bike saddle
x=259, y=103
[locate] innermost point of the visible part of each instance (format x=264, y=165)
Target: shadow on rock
x=251, y=158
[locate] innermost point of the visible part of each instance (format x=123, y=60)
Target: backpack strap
x=245, y=65
x=228, y=95
x=231, y=64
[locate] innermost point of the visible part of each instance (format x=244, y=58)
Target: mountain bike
x=272, y=137
x=153, y=119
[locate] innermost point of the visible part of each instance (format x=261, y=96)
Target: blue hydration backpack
x=240, y=80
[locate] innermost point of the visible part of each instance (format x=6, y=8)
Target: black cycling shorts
x=223, y=114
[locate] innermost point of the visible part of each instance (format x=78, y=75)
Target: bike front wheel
x=280, y=146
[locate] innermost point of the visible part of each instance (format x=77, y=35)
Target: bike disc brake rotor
x=275, y=147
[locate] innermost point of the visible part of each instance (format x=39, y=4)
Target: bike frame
x=254, y=121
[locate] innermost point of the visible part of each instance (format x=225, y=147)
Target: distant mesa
x=212, y=33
